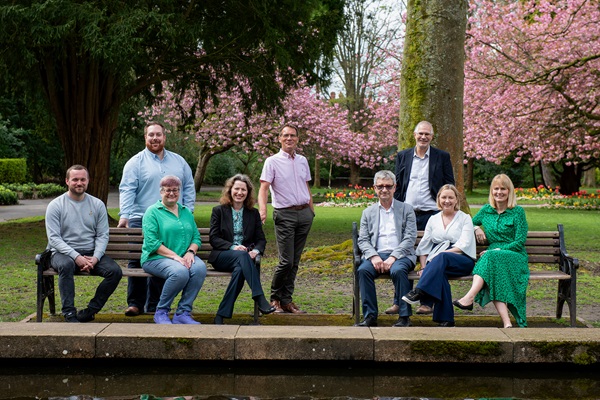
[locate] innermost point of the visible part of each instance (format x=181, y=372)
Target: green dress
x=504, y=266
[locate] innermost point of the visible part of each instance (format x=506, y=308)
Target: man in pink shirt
x=286, y=174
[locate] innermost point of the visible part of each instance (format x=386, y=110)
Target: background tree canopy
x=89, y=58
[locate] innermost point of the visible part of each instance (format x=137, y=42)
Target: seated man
x=77, y=230
x=388, y=231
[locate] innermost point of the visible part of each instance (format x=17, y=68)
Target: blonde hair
x=456, y=193
x=504, y=181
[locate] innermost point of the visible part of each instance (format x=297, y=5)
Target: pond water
x=154, y=380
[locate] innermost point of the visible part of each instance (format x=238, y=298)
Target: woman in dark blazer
x=237, y=237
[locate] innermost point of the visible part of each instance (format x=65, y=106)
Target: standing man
x=139, y=189
x=387, y=236
x=420, y=173
x=286, y=174
x=77, y=230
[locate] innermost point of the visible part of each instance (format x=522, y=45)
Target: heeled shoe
x=264, y=306
x=458, y=304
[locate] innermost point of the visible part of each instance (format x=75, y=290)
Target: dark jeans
x=434, y=282
x=66, y=267
x=291, y=231
x=242, y=268
x=142, y=293
x=398, y=273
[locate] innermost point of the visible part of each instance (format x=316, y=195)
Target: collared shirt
x=140, y=184
x=288, y=176
x=161, y=227
x=418, y=194
x=387, y=240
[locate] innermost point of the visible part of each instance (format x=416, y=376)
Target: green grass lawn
x=322, y=286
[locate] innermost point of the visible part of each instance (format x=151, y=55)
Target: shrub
x=7, y=196
x=31, y=190
x=13, y=170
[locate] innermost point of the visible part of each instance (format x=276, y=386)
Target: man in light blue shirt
x=139, y=189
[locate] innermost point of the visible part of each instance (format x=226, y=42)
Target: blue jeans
x=177, y=279
x=66, y=268
x=142, y=293
x=399, y=274
x=242, y=268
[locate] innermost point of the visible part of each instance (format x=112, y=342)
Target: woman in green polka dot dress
x=502, y=274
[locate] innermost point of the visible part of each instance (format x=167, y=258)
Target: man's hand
x=387, y=264
x=263, y=215
x=123, y=223
x=377, y=263
x=85, y=263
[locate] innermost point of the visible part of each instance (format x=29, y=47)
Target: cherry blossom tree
x=533, y=86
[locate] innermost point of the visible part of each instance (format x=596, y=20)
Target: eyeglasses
x=381, y=187
x=170, y=191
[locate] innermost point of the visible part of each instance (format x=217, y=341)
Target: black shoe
x=412, y=297
x=218, y=320
x=369, y=321
x=447, y=324
x=403, y=322
x=71, y=317
x=263, y=305
x=462, y=307
x=86, y=315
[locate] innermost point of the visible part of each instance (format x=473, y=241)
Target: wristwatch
x=191, y=251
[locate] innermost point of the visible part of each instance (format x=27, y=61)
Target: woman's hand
x=480, y=236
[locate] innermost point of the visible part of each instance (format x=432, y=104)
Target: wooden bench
x=124, y=244
x=543, y=248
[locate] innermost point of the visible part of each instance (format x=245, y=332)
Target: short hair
x=504, y=181
x=152, y=123
x=384, y=174
x=170, y=180
x=423, y=123
x=456, y=193
x=295, y=128
x=77, y=167
x=226, y=197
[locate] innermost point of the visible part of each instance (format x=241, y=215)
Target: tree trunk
x=317, y=174
x=547, y=175
x=354, y=174
x=589, y=178
x=204, y=157
x=570, y=179
x=83, y=100
x=432, y=80
x=470, y=178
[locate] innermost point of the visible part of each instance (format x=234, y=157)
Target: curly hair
x=227, y=199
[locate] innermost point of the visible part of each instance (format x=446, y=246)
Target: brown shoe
x=277, y=305
x=292, y=308
x=394, y=309
x=132, y=311
x=424, y=310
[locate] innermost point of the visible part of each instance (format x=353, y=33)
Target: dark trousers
x=291, y=231
x=422, y=218
x=398, y=273
x=66, y=268
x=142, y=293
x=242, y=268
x=434, y=282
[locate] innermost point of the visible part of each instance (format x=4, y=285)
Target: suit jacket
x=220, y=235
x=440, y=171
x=406, y=229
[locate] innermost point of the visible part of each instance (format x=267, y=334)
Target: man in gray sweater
x=77, y=230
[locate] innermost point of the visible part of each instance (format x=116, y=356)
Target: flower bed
x=551, y=198
x=353, y=196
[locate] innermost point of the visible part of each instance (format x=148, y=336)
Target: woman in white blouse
x=447, y=249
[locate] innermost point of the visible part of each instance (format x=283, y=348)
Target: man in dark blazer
x=420, y=173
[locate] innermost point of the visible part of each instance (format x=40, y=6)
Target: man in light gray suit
x=388, y=231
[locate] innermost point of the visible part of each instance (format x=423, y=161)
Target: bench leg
x=566, y=293
x=356, y=300
x=45, y=291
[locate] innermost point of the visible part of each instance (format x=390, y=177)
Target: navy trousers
x=434, y=282
x=242, y=268
x=398, y=273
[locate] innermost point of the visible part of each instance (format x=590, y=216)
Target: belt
x=297, y=208
x=419, y=212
